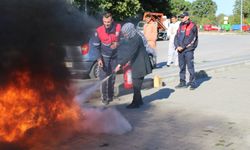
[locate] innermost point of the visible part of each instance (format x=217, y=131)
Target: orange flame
x=24, y=106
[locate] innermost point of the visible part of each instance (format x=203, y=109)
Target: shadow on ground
x=201, y=77
x=159, y=95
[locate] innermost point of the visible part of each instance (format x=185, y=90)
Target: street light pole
x=241, y=15
x=85, y=6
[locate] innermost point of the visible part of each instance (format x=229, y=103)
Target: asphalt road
x=214, y=50
x=215, y=116
x=213, y=47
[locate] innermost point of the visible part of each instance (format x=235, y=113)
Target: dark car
x=81, y=60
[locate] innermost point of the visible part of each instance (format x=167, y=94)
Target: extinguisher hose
x=111, y=75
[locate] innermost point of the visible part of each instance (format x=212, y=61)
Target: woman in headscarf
x=132, y=50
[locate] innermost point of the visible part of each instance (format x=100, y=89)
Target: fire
x=30, y=102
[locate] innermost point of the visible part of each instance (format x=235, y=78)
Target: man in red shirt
x=106, y=42
x=186, y=40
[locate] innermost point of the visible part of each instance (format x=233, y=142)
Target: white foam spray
x=84, y=95
x=105, y=120
x=101, y=119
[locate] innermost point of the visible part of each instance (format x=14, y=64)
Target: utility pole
x=86, y=6
x=241, y=15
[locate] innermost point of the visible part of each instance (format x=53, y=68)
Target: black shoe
x=105, y=102
x=132, y=106
x=192, y=87
x=140, y=103
x=181, y=85
x=168, y=65
x=110, y=99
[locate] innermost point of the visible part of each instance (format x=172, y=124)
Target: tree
x=162, y=6
x=178, y=6
x=220, y=18
x=203, y=11
x=204, y=8
x=237, y=10
x=120, y=9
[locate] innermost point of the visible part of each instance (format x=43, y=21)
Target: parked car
x=235, y=27
x=245, y=27
x=209, y=27
x=81, y=60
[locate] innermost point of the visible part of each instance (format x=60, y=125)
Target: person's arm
x=127, y=51
x=176, y=42
x=154, y=31
x=115, y=43
x=96, y=42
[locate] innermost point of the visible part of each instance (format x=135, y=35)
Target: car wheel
x=94, y=72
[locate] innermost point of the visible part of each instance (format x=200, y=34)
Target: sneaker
x=192, y=87
x=110, y=99
x=181, y=85
x=140, y=103
x=105, y=102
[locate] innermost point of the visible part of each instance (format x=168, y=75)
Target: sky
x=223, y=6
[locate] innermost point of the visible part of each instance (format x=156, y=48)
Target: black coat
x=133, y=50
x=187, y=36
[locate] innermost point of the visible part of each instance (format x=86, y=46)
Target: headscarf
x=129, y=30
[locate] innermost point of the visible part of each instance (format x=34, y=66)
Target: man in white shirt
x=172, y=53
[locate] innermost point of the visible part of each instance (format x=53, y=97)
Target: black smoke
x=32, y=33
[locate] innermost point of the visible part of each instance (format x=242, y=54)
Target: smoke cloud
x=32, y=33
x=105, y=120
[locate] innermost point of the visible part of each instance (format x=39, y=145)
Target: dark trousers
x=107, y=87
x=186, y=59
x=137, y=84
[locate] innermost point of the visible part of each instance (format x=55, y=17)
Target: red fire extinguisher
x=127, y=76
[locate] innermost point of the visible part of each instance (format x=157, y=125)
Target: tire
x=94, y=72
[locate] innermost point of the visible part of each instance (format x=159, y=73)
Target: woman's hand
x=117, y=68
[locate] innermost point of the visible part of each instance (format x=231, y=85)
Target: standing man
x=150, y=31
x=172, y=53
x=186, y=40
x=106, y=42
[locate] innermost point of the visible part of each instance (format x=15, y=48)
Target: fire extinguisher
x=127, y=76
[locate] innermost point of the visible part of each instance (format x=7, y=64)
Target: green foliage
x=220, y=18
x=204, y=11
x=246, y=8
x=178, y=6
x=203, y=8
x=235, y=19
x=120, y=9
x=162, y=6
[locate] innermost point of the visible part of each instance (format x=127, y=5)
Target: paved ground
x=212, y=117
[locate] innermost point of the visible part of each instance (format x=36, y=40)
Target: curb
x=202, y=71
